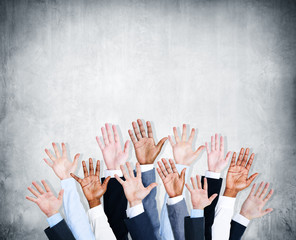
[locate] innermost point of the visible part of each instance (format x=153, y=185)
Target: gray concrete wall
x=67, y=67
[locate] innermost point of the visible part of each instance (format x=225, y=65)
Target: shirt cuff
x=174, y=200
x=214, y=175
x=111, y=173
x=197, y=213
x=146, y=167
x=241, y=219
x=68, y=183
x=180, y=167
x=54, y=220
x=226, y=202
x=135, y=211
x=96, y=212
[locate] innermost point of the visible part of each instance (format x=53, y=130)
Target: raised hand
x=133, y=187
x=145, y=147
x=48, y=203
x=173, y=182
x=182, y=149
x=199, y=195
x=91, y=185
x=112, y=151
x=216, y=160
x=253, y=205
x=237, y=175
x=61, y=166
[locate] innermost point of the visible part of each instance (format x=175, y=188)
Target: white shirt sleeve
x=112, y=173
x=99, y=223
x=241, y=219
x=214, y=175
x=135, y=211
x=146, y=167
x=223, y=214
x=75, y=214
x=175, y=200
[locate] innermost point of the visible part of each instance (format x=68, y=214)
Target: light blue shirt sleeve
x=54, y=220
x=165, y=230
x=76, y=217
x=197, y=213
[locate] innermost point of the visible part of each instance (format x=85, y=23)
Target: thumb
x=182, y=175
x=61, y=193
x=160, y=143
x=211, y=199
x=251, y=178
x=266, y=211
x=76, y=158
x=150, y=187
x=198, y=151
x=105, y=183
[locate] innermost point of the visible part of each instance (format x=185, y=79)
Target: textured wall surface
x=67, y=67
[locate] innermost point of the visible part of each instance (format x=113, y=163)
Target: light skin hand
x=145, y=148
x=173, y=182
x=133, y=187
x=48, y=203
x=199, y=195
x=60, y=164
x=91, y=185
x=216, y=160
x=254, y=204
x=112, y=151
x=182, y=148
x=237, y=175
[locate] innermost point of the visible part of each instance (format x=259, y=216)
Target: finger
x=266, y=211
x=50, y=155
x=85, y=172
x=216, y=141
x=245, y=157
x=105, y=183
x=198, y=182
x=173, y=166
x=163, y=170
x=124, y=172
x=136, y=130
x=177, y=139
x=98, y=169
x=232, y=164
x=149, y=129
x=116, y=136
x=252, y=190
x=167, y=166
x=171, y=141
x=64, y=149
x=249, y=164
x=188, y=187
x=126, y=147
x=222, y=144
x=184, y=133
x=259, y=189
x=205, y=185
x=207, y=148
x=182, y=175
x=132, y=136
x=47, y=188
x=47, y=162
x=160, y=144
x=142, y=129
x=227, y=157
x=105, y=137
x=268, y=195
x=76, y=178
x=160, y=174
x=211, y=199
x=119, y=179
x=198, y=151
x=34, y=200
x=151, y=186
x=75, y=161
x=101, y=145
x=138, y=167
x=56, y=150
x=109, y=133
x=193, y=183
x=212, y=143
x=264, y=190
x=192, y=134
x=91, y=167
x=36, y=194
x=240, y=157
x=61, y=193
x=38, y=187
x=130, y=169
x=251, y=178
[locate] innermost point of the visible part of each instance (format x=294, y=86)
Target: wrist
x=48, y=215
x=65, y=176
x=230, y=193
x=245, y=215
x=94, y=203
x=172, y=195
x=134, y=203
x=215, y=170
x=198, y=207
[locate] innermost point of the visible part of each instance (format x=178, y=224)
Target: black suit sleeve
x=115, y=204
x=140, y=227
x=214, y=186
x=236, y=231
x=194, y=228
x=60, y=231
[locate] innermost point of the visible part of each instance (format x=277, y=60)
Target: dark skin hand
x=237, y=175
x=91, y=185
x=172, y=180
x=145, y=147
